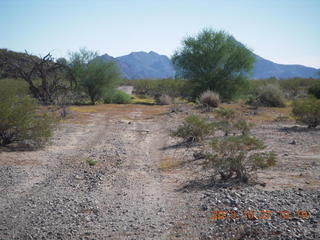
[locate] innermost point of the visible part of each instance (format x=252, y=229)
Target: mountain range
x=139, y=65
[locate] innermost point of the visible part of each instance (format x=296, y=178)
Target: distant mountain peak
x=153, y=53
x=137, y=65
x=140, y=64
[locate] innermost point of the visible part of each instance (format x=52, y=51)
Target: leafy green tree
x=93, y=75
x=215, y=61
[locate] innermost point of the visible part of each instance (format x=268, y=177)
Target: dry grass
x=84, y=109
x=83, y=114
x=262, y=114
x=169, y=163
x=138, y=100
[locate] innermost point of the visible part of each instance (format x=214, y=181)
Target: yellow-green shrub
x=307, y=111
x=231, y=157
x=194, y=128
x=20, y=119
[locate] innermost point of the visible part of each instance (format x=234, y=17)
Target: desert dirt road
x=141, y=187
x=54, y=194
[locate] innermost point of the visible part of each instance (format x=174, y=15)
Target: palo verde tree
x=214, y=61
x=93, y=75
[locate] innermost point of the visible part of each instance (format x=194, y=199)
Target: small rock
x=293, y=142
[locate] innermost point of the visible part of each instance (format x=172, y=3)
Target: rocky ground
x=138, y=191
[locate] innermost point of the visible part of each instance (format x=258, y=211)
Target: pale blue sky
x=284, y=31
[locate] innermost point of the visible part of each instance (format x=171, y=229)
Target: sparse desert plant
x=225, y=113
x=210, y=98
x=296, y=87
x=152, y=87
x=225, y=119
x=269, y=95
x=307, y=111
x=21, y=120
x=194, y=128
x=231, y=157
x=117, y=96
x=229, y=123
x=91, y=161
x=145, y=87
x=64, y=99
x=243, y=126
x=165, y=100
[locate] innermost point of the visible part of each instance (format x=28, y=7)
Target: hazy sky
x=284, y=31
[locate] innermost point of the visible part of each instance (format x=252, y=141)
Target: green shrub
x=20, y=119
x=225, y=119
x=243, y=126
x=307, y=111
x=231, y=157
x=194, y=128
x=296, y=87
x=269, y=95
x=153, y=88
x=91, y=162
x=210, y=98
x=229, y=123
x=315, y=89
x=144, y=87
x=291, y=87
x=225, y=114
x=118, y=97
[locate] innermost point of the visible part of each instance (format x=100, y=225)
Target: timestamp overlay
x=262, y=214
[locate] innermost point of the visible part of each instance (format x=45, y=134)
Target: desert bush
x=171, y=87
x=64, y=99
x=269, y=95
x=226, y=114
x=209, y=98
x=91, y=162
x=291, y=87
x=242, y=126
x=315, y=89
x=21, y=120
x=194, y=128
x=165, y=100
x=153, y=88
x=296, y=87
x=231, y=157
x=225, y=119
x=307, y=111
x=118, y=97
x=228, y=122
x=144, y=87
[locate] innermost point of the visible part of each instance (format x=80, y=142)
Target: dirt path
x=138, y=189
x=54, y=194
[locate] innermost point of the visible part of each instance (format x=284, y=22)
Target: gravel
x=54, y=194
